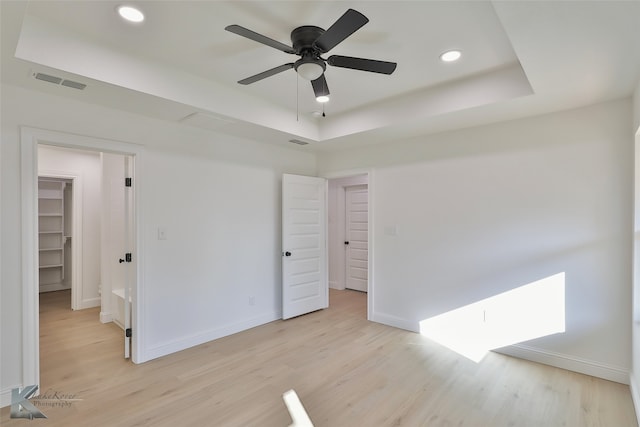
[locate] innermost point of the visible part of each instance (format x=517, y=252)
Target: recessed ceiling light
x=131, y=13
x=322, y=98
x=450, y=56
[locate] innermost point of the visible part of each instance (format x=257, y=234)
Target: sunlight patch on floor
x=531, y=311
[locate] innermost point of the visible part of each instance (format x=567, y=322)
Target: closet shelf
x=51, y=266
x=51, y=223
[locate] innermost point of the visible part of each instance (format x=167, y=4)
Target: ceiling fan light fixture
x=450, y=56
x=322, y=99
x=310, y=69
x=130, y=14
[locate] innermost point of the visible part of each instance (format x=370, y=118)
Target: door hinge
x=127, y=182
x=127, y=257
x=127, y=333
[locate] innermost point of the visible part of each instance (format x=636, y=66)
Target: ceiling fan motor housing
x=303, y=39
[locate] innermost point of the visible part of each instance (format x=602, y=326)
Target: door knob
x=120, y=260
x=287, y=253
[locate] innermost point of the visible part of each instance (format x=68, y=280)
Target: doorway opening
x=348, y=234
x=81, y=233
x=73, y=192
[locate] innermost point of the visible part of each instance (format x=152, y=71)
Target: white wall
x=484, y=210
x=86, y=166
x=636, y=107
x=217, y=196
x=635, y=371
x=336, y=232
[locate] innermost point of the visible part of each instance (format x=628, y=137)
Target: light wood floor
x=347, y=372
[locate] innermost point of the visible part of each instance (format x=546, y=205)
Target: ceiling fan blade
x=252, y=35
x=371, y=65
x=346, y=25
x=320, y=87
x=265, y=74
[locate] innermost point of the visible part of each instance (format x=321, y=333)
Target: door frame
x=76, y=231
x=29, y=140
x=371, y=242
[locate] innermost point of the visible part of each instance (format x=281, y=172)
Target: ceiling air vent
x=48, y=78
x=297, y=141
x=59, y=81
x=75, y=85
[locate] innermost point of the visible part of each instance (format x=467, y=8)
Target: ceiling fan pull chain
x=297, y=97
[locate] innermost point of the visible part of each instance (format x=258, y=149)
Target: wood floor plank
x=347, y=372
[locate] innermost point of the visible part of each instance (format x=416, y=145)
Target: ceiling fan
x=310, y=42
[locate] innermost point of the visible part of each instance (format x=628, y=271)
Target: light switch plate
x=162, y=233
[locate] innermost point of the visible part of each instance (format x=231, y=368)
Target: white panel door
x=357, y=238
x=304, y=251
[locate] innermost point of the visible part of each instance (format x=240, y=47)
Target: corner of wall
x=336, y=285
x=633, y=385
x=570, y=363
x=636, y=107
x=106, y=317
x=396, y=322
x=5, y=396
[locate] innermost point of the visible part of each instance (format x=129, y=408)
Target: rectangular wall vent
x=297, y=141
x=59, y=81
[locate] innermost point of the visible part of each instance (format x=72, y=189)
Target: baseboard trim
x=90, y=303
x=570, y=363
x=5, y=397
x=106, y=317
x=213, y=334
x=633, y=385
x=53, y=287
x=336, y=285
x=396, y=322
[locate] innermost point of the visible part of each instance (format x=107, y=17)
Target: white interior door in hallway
x=356, y=235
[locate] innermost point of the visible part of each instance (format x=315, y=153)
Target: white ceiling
x=519, y=58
